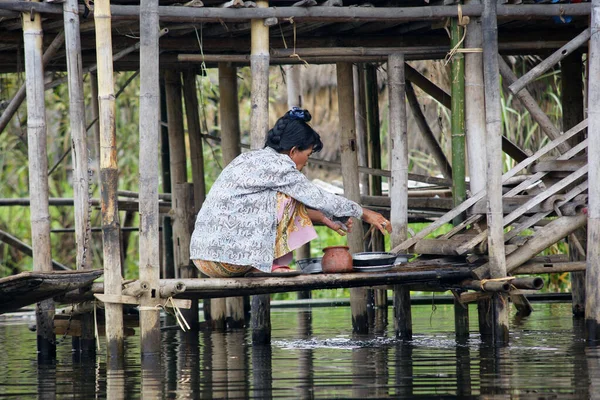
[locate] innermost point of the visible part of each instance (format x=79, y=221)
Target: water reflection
x=314, y=355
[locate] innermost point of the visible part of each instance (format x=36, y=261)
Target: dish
x=376, y=268
x=376, y=258
x=310, y=265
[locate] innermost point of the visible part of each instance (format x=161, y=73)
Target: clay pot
x=336, y=259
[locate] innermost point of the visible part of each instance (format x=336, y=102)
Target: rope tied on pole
x=484, y=281
x=462, y=21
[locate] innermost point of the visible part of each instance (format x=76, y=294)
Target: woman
x=261, y=207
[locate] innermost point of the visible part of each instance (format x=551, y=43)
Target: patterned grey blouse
x=237, y=222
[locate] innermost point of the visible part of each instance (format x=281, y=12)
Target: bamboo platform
x=27, y=288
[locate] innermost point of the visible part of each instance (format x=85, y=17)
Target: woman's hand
x=374, y=218
x=341, y=228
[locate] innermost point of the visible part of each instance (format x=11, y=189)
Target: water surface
x=314, y=355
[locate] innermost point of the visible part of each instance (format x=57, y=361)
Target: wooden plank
x=529, y=222
x=529, y=205
x=550, y=61
x=558, y=165
x=480, y=195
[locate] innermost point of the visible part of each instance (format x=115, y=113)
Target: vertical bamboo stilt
x=79, y=154
x=183, y=226
x=348, y=148
x=229, y=112
x=230, y=148
x=459, y=192
x=371, y=89
x=497, y=317
x=109, y=177
x=399, y=186
x=592, y=292
x=168, y=268
x=259, y=126
x=360, y=121
x=572, y=106
x=96, y=127
x=148, y=182
x=474, y=99
x=38, y=179
x=199, y=186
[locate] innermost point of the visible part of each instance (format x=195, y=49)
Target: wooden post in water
x=109, y=175
x=459, y=191
x=148, y=171
x=374, y=161
x=572, y=106
x=96, y=127
x=230, y=148
x=399, y=184
x=259, y=126
x=38, y=176
x=495, y=320
x=168, y=267
x=360, y=122
x=474, y=102
x=79, y=156
x=199, y=186
x=348, y=148
x=592, y=291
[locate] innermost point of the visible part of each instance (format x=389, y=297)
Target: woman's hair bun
x=275, y=138
x=299, y=113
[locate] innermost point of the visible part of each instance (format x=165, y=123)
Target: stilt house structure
x=547, y=192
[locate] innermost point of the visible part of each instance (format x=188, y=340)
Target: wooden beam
x=26, y=249
x=322, y=14
x=550, y=61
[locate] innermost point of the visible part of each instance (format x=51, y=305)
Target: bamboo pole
x=109, y=175
x=259, y=65
x=349, y=159
x=183, y=225
x=80, y=159
x=326, y=14
x=550, y=61
x=195, y=137
x=168, y=267
x=573, y=106
x=399, y=186
x=427, y=134
x=371, y=90
x=592, y=299
x=360, y=122
x=230, y=148
x=457, y=122
x=498, y=318
x=259, y=125
x=229, y=112
x=178, y=170
x=538, y=115
x=149, y=122
x=95, y=128
x=18, y=98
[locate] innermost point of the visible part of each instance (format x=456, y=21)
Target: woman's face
x=300, y=157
